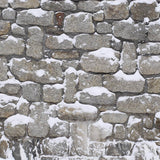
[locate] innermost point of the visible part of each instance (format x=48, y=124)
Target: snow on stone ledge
x=18, y=120
x=7, y=99
x=117, y=2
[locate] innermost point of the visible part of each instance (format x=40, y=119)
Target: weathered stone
x=3, y=148
x=60, y=54
x=79, y=135
x=43, y=71
x=34, y=43
x=4, y=3
x=104, y=27
x=12, y=46
x=96, y=96
x=98, y=16
x=148, y=48
x=127, y=30
x=52, y=93
x=4, y=27
x=99, y=131
x=128, y=58
x=87, y=80
x=92, y=42
x=96, y=149
x=44, y=18
x=70, y=85
x=149, y=65
x=14, y=126
x=89, y=6
x=31, y=91
x=116, y=11
x=146, y=103
x=40, y=126
x=157, y=120
x=150, y=134
x=4, y=69
x=153, y=85
x=118, y=148
x=58, y=5
x=116, y=44
x=58, y=128
x=140, y=10
x=7, y=105
x=148, y=122
x=17, y=30
x=134, y=128
x=9, y=14
x=73, y=63
x=154, y=31
x=114, y=117
x=24, y=4
x=106, y=60
x=79, y=22
x=59, y=42
x=23, y=106
x=119, y=131
x=120, y=82
x=56, y=146
x=77, y=111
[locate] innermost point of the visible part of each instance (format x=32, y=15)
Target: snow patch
x=117, y=2
x=36, y=12
x=7, y=99
x=40, y=72
x=133, y=120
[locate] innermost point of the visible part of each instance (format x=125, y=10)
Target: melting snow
x=37, y=12
x=133, y=120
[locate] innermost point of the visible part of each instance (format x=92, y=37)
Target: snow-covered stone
x=17, y=30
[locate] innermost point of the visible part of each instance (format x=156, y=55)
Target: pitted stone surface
x=4, y=69
x=81, y=23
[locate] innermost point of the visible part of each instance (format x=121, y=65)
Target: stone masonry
x=79, y=79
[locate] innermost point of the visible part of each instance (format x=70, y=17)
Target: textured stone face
x=154, y=31
x=139, y=11
x=4, y=3
x=4, y=69
x=127, y=30
x=107, y=62
x=119, y=131
x=149, y=65
x=44, y=18
x=146, y=103
x=104, y=27
x=98, y=16
x=17, y=30
x=24, y=4
x=9, y=14
x=92, y=42
x=120, y=82
x=79, y=23
x=44, y=71
x=116, y=11
x=153, y=85
x=12, y=46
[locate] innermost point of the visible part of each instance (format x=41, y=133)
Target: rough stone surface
x=3, y=148
x=81, y=23
x=31, y=91
x=89, y=96
x=129, y=31
x=9, y=14
x=98, y=16
x=52, y=93
x=88, y=80
x=120, y=82
x=149, y=65
x=4, y=69
x=59, y=42
x=153, y=85
x=119, y=131
x=24, y=4
x=128, y=58
x=12, y=46
x=17, y=30
x=45, y=18
x=148, y=122
x=104, y=63
x=140, y=10
x=104, y=27
x=34, y=43
x=92, y=42
x=116, y=11
x=44, y=71
x=4, y=27
x=114, y=117
x=146, y=103
x=57, y=146
x=77, y=111
x=4, y=3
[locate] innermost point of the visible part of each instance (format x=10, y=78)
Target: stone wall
x=80, y=80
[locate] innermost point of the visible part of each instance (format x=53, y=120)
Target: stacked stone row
x=79, y=79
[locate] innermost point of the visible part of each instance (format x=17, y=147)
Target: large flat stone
x=106, y=60
x=79, y=22
x=121, y=82
x=146, y=103
x=35, y=17
x=43, y=71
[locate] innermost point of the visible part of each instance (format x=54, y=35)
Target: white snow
x=155, y=58
x=117, y=2
x=36, y=12
x=134, y=77
x=7, y=99
x=52, y=121
x=11, y=38
x=56, y=86
x=62, y=38
x=9, y=81
x=22, y=153
x=129, y=20
x=18, y=119
x=40, y=72
x=71, y=70
x=112, y=112
x=133, y=120
x=157, y=115
x=20, y=102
